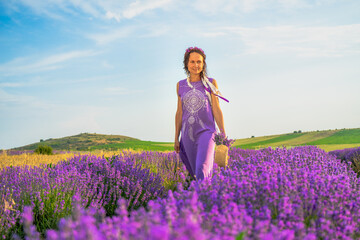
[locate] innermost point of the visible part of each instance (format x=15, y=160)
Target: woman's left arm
x=219, y=119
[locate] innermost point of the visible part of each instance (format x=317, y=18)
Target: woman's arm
x=219, y=119
x=178, y=121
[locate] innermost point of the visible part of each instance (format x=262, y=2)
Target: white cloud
x=112, y=35
x=27, y=65
x=144, y=31
x=155, y=30
x=297, y=3
x=107, y=65
x=128, y=9
x=138, y=7
x=301, y=41
x=115, y=91
x=7, y=99
x=108, y=9
x=245, y=6
x=251, y=5
x=214, y=34
x=133, y=8
x=11, y=84
x=111, y=15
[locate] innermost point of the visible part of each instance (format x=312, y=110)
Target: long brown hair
x=186, y=60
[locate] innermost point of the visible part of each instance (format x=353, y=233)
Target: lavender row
x=299, y=193
x=96, y=182
x=350, y=156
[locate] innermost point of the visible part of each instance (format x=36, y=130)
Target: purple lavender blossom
x=298, y=193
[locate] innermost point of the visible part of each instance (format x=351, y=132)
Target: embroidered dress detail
x=191, y=119
x=194, y=101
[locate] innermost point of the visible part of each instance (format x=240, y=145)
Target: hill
x=92, y=141
x=327, y=140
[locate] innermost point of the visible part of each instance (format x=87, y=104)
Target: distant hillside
x=327, y=140
x=82, y=141
x=92, y=141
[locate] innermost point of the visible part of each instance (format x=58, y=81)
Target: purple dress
x=197, y=146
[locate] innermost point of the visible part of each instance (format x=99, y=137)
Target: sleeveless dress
x=197, y=146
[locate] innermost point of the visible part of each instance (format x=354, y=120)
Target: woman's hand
x=177, y=146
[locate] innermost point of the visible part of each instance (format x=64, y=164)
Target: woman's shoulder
x=211, y=79
x=182, y=82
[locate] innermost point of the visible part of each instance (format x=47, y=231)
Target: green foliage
x=240, y=236
x=44, y=149
x=50, y=208
x=309, y=219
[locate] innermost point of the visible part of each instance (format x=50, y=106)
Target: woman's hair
x=187, y=56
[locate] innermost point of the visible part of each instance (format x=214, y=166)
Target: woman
x=198, y=105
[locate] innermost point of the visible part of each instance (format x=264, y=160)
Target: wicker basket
x=221, y=155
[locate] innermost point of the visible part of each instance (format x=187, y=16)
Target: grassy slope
x=83, y=141
x=297, y=138
x=332, y=147
x=245, y=141
x=344, y=136
x=272, y=141
x=327, y=140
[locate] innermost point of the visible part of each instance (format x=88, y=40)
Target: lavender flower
x=221, y=139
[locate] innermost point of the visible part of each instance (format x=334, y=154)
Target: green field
x=328, y=140
x=271, y=141
x=345, y=136
x=136, y=145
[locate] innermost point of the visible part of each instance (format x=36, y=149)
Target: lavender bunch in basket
x=221, y=139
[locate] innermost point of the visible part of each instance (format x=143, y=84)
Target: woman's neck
x=195, y=78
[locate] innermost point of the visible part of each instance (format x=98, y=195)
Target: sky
x=111, y=67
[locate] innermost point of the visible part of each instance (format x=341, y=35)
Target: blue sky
x=111, y=67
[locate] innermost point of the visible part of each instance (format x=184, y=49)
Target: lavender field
x=298, y=193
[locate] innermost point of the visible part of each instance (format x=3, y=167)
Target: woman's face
x=195, y=64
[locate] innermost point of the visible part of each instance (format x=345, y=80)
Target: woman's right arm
x=178, y=121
